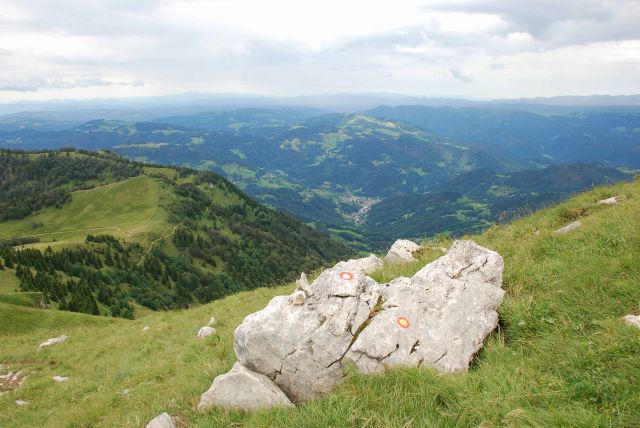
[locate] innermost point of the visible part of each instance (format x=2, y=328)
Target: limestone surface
x=243, y=389
x=402, y=251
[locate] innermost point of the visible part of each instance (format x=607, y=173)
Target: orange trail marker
x=347, y=276
x=403, y=322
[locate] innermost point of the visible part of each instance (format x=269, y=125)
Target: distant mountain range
x=347, y=173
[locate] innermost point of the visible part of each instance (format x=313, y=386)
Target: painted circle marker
x=403, y=322
x=347, y=276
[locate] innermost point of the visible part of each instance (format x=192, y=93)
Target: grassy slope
x=126, y=209
x=561, y=356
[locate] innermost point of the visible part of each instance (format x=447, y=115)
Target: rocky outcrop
x=243, y=389
x=402, y=251
x=163, y=420
x=298, y=343
x=438, y=318
x=300, y=347
x=52, y=341
x=568, y=228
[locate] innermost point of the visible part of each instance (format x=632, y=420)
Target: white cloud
x=70, y=48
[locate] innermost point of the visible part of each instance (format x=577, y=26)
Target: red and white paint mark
x=403, y=322
x=347, y=276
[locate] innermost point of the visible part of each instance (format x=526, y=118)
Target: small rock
x=609, y=201
x=243, y=389
x=303, y=285
x=163, y=420
x=297, y=298
x=569, y=227
x=60, y=378
x=52, y=341
x=12, y=380
x=126, y=392
x=633, y=320
x=206, y=331
x=21, y=403
x=212, y=321
x=146, y=328
x=402, y=251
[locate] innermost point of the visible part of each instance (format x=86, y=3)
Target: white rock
x=569, y=227
x=146, y=328
x=609, y=201
x=633, y=320
x=300, y=347
x=366, y=265
x=60, y=378
x=439, y=318
x=52, y=341
x=297, y=298
x=206, y=331
x=402, y=251
x=212, y=321
x=21, y=402
x=243, y=389
x=302, y=284
x=163, y=420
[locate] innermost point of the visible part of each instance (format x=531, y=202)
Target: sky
x=52, y=49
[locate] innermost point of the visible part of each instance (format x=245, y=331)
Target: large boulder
x=402, y=251
x=243, y=389
x=300, y=347
x=438, y=318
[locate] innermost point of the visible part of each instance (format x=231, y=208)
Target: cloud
x=460, y=75
x=53, y=48
x=36, y=84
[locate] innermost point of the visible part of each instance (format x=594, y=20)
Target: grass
x=30, y=299
x=127, y=208
x=560, y=357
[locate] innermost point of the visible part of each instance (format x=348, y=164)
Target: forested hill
x=95, y=233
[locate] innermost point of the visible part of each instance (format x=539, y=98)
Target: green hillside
x=560, y=357
x=109, y=235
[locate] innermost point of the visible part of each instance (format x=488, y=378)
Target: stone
x=145, y=328
x=12, y=380
x=212, y=321
x=21, y=402
x=302, y=284
x=163, y=420
x=297, y=298
x=402, y=251
x=206, y=331
x=633, y=320
x=60, y=378
x=366, y=265
x=243, y=389
x=300, y=347
x=609, y=201
x=438, y=318
x=569, y=227
x=52, y=341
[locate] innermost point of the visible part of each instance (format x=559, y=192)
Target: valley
x=343, y=173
